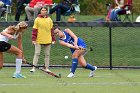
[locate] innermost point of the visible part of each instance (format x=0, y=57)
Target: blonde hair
x=21, y=24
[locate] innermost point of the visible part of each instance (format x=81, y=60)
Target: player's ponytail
x=17, y=27
x=21, y=24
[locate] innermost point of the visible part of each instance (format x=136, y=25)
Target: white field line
x=103, y=83
x=15, y=84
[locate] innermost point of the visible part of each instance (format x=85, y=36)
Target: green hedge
x=92, y=7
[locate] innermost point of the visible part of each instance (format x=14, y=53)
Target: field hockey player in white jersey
x=13, y=33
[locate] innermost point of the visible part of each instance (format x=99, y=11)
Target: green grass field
x=105, y=81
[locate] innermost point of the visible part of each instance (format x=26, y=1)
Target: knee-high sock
x=74, y=65
x=89, y=66
x=18, y=65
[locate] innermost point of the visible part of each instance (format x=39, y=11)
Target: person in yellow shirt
x=42, y=37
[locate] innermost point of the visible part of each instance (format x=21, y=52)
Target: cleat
x=91, y=74
x=70, y=75
x=32, y=70
x=18, y=75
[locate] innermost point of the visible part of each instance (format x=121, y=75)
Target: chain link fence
x=115, y=45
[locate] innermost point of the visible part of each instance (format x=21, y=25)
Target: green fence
x=115, y=45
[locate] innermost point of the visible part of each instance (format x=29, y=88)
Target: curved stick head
x=91, y=49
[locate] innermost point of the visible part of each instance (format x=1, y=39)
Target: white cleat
x=32, y=70
x=91, y=74
x=70, y=75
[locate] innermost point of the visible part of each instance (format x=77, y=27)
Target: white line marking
x=6, y=84
x=105, y=83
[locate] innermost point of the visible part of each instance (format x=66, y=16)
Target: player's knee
x=74, y=56
x=19, y=54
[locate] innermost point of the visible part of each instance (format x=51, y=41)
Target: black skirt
x=4, y=46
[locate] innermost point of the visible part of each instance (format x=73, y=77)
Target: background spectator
x=109, y=7
x=20, y=5
x=32, y=9
x=3, y=5
x=118, y=8
x=62, y=8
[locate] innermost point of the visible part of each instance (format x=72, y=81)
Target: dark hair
x=42, y=8
x=55, y=26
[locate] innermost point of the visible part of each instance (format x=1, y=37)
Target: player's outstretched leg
x=92, y=68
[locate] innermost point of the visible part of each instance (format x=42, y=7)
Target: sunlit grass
x=105, y=81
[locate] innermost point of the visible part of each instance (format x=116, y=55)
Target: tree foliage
x=91, y=7
x=98, y=7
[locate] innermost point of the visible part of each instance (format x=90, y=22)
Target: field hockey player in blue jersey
x=78, y=48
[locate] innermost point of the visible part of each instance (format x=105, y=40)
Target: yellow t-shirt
x=44, y=26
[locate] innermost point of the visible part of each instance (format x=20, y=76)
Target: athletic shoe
x=32, y=70
x=47, y=70
x=70, y=75
x=18, y=75
x=91, y=74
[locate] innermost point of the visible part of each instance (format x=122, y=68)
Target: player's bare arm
x=7, y=35
x=19, y=41
x=73, y=36
x=66, y=44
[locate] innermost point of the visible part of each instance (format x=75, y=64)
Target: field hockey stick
x=50, y=73
x=87, y=49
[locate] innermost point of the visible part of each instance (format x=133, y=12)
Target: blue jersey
x=70, y=40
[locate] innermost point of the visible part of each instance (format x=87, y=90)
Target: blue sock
x=74, y=64
x=89, y=66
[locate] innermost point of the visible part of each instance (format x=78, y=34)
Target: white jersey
x=5, y=38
